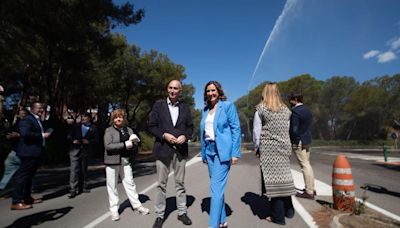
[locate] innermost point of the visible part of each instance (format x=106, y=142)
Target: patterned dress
x=275, y=151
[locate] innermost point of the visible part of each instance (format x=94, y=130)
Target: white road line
x=364, y=157
x=324, y=189
x=308, y=219
x=103, y=217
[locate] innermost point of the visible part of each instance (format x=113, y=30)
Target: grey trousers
x=163, y=164
x=78, y=170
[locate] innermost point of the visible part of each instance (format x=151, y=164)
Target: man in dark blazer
x=170, y=122
x=82, y=138
x=300, y=135
x=30, y=145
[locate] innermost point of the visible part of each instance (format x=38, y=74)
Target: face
x=118, y=120
x=85, y=119
x=212, y=93
x=22, y=114
x=174, y=89
x=292, y=103
x=37, y=109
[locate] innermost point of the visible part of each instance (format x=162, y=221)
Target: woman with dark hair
x=275, y=150
x=220, y=146
x=119, y=141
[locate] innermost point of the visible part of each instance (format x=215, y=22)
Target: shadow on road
x=142, y=198
x=380, y=189
x=259, y=205
x=40, y=218
x=171, y=204
x=205, y=206
x=389, y=166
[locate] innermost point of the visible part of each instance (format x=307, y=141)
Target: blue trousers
x=11, y=165
x=218, y=177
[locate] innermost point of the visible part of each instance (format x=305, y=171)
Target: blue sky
x=223, y=39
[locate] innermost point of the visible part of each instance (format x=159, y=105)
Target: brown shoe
x=20, y=206
x=315, y=192
x=305, y=195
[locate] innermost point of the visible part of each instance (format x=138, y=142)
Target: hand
x=128, y=144
x=181, y=139
x=85, y=141
x=46, y=135
x=234, y=160
x=134, y=138
x=170, y=138
x=76, y=142
x=12, y=135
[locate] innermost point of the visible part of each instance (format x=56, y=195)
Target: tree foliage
x=343, y=108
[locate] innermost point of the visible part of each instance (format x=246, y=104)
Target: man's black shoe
x=158, y=223
x=185, y=219
x=72, y=195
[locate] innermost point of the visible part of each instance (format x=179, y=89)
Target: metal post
x=385, y=152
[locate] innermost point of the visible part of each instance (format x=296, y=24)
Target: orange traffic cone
x=342, y=185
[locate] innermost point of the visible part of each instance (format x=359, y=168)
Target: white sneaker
x=142, y=210
x=114, y=216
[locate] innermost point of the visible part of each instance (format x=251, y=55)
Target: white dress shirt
x=209, y=128
x=173, y=110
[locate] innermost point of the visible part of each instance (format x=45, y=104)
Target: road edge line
x=103, y=217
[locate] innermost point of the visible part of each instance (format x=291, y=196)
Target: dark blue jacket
x=31, y=140
x=300, y=125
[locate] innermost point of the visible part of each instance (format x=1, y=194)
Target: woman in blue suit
x=220, y=146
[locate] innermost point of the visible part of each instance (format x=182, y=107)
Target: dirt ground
x=328, y=217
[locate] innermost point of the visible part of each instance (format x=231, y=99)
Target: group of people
x=277, y=132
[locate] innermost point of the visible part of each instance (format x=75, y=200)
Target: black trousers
x=23, y=180
x=281, y=207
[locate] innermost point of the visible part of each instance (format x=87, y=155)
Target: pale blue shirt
x=40, y=125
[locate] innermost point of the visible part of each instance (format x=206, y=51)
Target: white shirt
x=173, y=110
x=257, y=125
x=209, y=127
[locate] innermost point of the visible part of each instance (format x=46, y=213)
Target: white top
x=257, y=125
x=173, y=110
x=209, y=127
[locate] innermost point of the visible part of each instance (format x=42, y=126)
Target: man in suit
x=82, y=137
x=170, y=122
x=300, y=135
x=30, y=145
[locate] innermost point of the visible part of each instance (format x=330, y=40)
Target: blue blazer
x=31, y=140
x=300, y=125
x=226, y=130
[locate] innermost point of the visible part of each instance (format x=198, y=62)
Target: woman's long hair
x=272, y=97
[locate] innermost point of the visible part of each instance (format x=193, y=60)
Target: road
x=246, y=208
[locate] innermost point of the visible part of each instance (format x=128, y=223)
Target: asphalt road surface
x=245, y=206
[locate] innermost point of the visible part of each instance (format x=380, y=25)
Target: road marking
x=308, y=219
x=364, y=157
x=103, y=217
x=324, y=189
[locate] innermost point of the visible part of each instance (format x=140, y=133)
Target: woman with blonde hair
x=271, y=128
x=119, y=143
